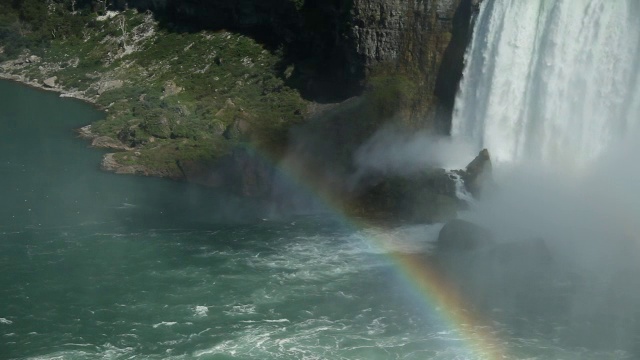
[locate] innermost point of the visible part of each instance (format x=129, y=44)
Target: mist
x=397, y=151
x=587, y=220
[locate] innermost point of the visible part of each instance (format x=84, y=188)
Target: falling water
x=553, y=81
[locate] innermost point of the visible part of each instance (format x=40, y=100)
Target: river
x=101, y=266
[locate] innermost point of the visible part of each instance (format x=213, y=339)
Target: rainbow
x=424, y=280
x=436, y=293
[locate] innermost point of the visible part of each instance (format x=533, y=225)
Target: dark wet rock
x=425, y=197
x=478, y=173
x=462, y=236
x=517, y=276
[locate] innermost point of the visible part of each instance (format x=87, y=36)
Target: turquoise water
x=100, y=266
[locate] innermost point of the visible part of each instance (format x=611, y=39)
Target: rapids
x=100, y=266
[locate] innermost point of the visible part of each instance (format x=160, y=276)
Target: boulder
x=170, y=88
x=50, y=82
x=515, y=277
x=425, y=197
x=109, y=85
x=107, y=142
x=33, y=59
x=459, y=236
x=477, y=173
x=85, y=132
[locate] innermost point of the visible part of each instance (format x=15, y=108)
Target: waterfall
x=461, y=190
x=553, y=81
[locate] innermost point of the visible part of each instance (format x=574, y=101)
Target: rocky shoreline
x=204, y=107
x=108, y=161
x=41, y=86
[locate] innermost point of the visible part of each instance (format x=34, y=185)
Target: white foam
x=201, y=311
x=164, y=323
x=278, y=321
x=5, y=321
x=245, y=309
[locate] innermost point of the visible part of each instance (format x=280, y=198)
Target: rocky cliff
x=336, y=44
x=188, y=85
x=423, y=40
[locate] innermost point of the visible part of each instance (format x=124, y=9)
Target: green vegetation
x=32, y=24
x=389, y=93
x=298, y=3
x=168, y=96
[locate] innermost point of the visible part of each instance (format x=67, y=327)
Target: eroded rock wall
x=423, y=39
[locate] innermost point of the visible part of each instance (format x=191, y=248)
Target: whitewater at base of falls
x=555, y=82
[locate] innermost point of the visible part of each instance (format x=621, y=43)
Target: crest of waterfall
x=551, y=81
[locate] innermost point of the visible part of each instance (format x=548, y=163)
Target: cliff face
x=335, y=44
x=423, y=39
x=383, y=29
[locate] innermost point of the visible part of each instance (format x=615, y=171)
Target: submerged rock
x=462, y=236
x=516, y=276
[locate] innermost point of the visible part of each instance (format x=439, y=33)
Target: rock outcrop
x=328, y=49
x=109, y=85
x=50, y=82
x=105, y=142
x=424, y=197
x=478, y=173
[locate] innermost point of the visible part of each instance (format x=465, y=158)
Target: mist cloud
x=589, y=220
x=397, y=151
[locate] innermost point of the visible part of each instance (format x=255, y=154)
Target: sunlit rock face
x=425, y=40
x=382, y=28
